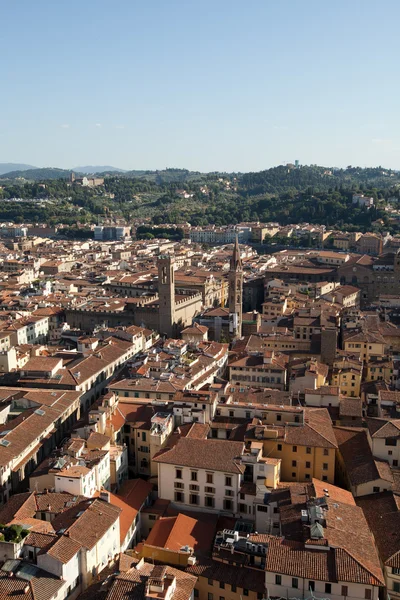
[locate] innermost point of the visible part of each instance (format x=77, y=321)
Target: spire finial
x=236, y=262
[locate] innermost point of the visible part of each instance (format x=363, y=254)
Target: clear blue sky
x=231, y=85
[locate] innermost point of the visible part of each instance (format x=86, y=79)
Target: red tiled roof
x=217, y=455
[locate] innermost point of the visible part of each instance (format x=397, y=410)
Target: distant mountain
x=38, y=174
x=96, y=169
x=8, y=167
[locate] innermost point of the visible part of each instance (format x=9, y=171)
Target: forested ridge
x=284, y=194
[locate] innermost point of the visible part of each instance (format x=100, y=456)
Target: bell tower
x=166, y=294
x=235, y=278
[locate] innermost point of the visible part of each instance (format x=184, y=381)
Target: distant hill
x=9, y=167
x=37, y=174
x=166, y=176
x=97, y=169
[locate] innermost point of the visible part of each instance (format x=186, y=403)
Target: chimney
x=105, y=495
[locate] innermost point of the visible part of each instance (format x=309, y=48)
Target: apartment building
x=347, y=374
x=381, y=370
x=78, y=539
x=43, y=418
x=265, y=370
x=307, y=374
x=368, y=345
x=144, y=431
x=88, y=375
x=357, y=469
x=274, y=308
x=376, y=508
x=385, y=439
x=370, y=243
x=19, y=578
x=132, y=498
x=201, y=474
x=146, y=580
x=180, y=540
x=306, y=449
x=27, y=330
x=346, y=564
x=94, y=526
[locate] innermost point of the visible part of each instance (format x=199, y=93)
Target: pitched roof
x=183, y=530
x=87, y=522
x=316, y=431
x=129, y=499
x=132, y=583
x=360, y=464
x=216, y=455
x=384, y=428
x=336, y=564
x=382, y=512
x=63, y=549
x=41, y=587
x=242, y=578
x=18, y=506
x=343, y=527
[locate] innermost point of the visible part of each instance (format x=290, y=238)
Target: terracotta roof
x=18, y=506
x=384, y=428
x=361, y=467
x=98, y=440
x=198, y=431
x=41, y=587
x=243, y=578
x=129, y=499
x=216, y=455
x=382, y=512
x=126, y=562
x=94, y=520
x=324, y=390
x=293, y=559
x=316, y=431
x=279, y=361
x=40, y=540
x=344, y=528
x=195, y=329
x=64, y=549
x=350, y=407
x=183, y=530
x=132, y=584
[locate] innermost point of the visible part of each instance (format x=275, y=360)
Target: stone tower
x=166, y=294
x=235, y=292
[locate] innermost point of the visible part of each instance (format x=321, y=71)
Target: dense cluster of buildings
x=185, y=421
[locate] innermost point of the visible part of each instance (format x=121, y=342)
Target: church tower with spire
x=235, y=292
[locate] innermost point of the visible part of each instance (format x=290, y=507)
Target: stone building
x=374, y=276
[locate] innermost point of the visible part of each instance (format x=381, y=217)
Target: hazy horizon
x=122, y=169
